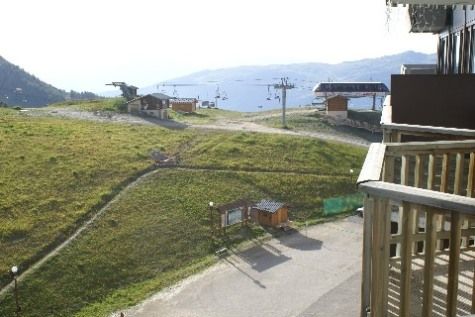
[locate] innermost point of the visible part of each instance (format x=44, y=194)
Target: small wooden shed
x=184, y=104
x=270, y=213
x=337, y=106
x=151, y=104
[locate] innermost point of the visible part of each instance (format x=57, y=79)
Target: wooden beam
x=404, y=169
x=471, y=176
x=408, y=224
x=444, y=174
x=430, y=147
x=429, y=261
x=430, y=172
x=420, y=196
x=373, y=164
x=367, y=251
x=428, y=129
x=380, y=258
x=418, y=172
x=454, y=259
x=459, y=162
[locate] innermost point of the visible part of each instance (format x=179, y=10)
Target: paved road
x=312, y=273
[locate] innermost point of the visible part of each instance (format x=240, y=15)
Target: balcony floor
x=466, y=275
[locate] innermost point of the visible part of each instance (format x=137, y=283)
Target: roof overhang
x=428, y=19
x=431, y=2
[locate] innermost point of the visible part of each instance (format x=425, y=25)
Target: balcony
x=419, y=228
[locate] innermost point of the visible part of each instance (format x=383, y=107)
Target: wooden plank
x=466, y=233
x=404, y=169
x=367, y=251
x=418, y=172
x=454, y=258
x=430, y=172
x=471, y=176
x=408, y=224
x=373, y=164
x=459, y=162
x=428, y=129
x=420, y=196
x=444, y=174
x=380, y=259
x=430, y=147
x=429, y=261
x=388, y=172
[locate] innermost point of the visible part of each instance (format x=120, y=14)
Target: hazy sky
x=82, y=45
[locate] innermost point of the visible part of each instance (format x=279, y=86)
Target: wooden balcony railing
x=419, y=229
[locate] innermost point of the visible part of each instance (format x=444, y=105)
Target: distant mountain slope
x=19, y=88
x=245, y=85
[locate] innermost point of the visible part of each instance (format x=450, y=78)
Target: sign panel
x=234, y=216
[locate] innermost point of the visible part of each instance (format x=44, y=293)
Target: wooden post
x=452, y=285
x=444, y=175
x=406, y=260
x=471, y=176
x=429, y=260
x=458, y=173
x=430, y=172
x=418, y=172
x=380, y=259
x=367, y=251
x=404, y=169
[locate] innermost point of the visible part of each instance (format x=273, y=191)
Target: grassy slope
x=254, y=151
x=205, y=116
x=156, y=234
x=153, y=235
x=55, y=172
x=109, y=104
x=313, y=122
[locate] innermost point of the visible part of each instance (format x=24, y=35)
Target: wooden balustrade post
x=454, y=258
x=380, y=258
x=367, y=251
x=408, y=224
x=429, y=260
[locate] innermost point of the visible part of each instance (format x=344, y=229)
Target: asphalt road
x=315, y=272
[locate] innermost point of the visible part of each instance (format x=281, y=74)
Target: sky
x=83, y=44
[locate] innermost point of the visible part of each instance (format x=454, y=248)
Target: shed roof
x=183, y=100
x=161, y=96
x=269, y=205
x=141, y=97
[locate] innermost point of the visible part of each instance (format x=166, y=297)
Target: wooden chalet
x=183, y=104
x=155, y=105
x=419, y=209
x=337, y=107
x=270, y=213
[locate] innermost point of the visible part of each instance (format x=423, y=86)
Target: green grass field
x=263, y=152
x=58, y=172
x=156, y=234
x=108, y=104
x=55, y=172
x=205, y=116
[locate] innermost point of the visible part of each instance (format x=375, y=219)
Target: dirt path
x=55, y=251
x=246, y=124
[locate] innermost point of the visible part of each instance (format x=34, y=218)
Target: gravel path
x=244, y=124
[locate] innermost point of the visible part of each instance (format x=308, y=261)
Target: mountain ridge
x=246, y=86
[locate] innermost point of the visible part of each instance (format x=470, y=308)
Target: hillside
x=19, y=88
x=59, y=172
x=246, y=85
